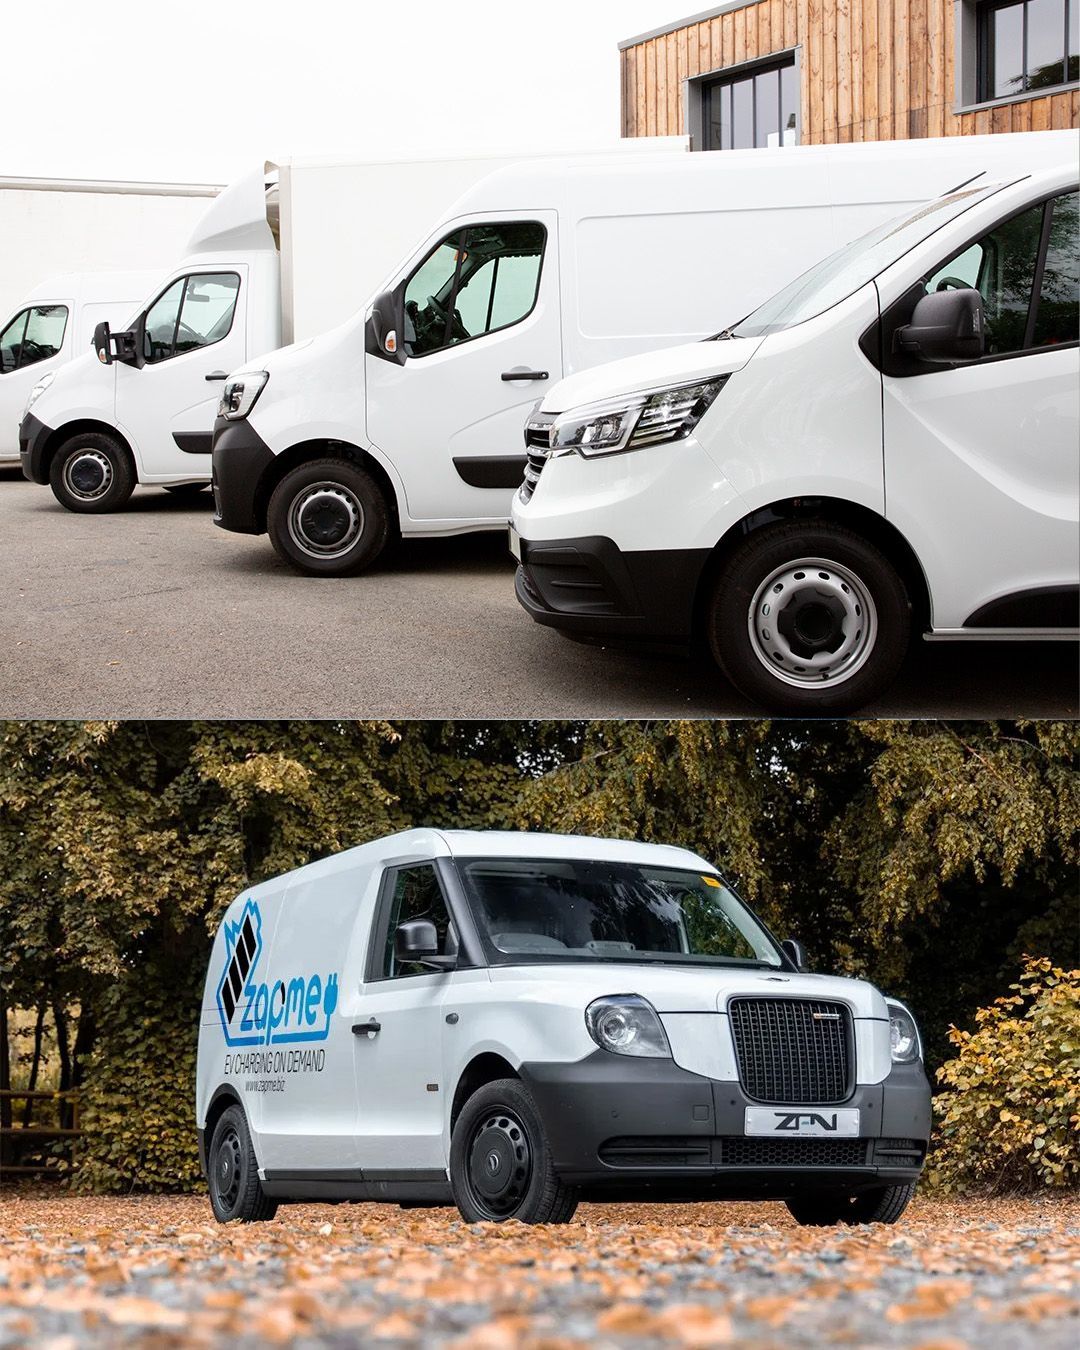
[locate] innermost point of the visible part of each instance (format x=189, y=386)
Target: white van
x=407, y=418
x=514, y=1022
x=891, y=439
x=54, y=323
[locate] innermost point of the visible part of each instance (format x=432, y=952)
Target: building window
x=1025, y=46
x=753, y=108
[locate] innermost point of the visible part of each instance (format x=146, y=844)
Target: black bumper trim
x=194, y=442
x=33, y=437
x=240, y=459
x=491, y=471
x=589, y=587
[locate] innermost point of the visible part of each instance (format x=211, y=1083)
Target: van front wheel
x=328, y=518
x=809, y=617
x=91, y=474
x=500, y=1161
x=233, y=1172
x=884, y=1204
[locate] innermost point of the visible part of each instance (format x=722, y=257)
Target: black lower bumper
x=240, y=458
x=589, y=587
x=619, y=1126
x=33, y=437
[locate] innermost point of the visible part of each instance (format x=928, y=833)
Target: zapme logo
x=794, y=1120
x=253, y=1012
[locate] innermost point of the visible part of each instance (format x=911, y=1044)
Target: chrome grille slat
x=793, y=1051
x=537, y=444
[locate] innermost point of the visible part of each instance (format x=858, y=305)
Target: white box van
x=54, y=323
x=514, y=1022
x=407, y=418
x=892, y=438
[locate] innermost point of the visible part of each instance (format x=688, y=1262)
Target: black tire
x=500, y=1121
x=233, y=1172
x=328, y=518
x=884, y=1204
x=91, y=473
x=859, y=607
x=186, y=489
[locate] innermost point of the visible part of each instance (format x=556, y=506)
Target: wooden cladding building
x=762, y=72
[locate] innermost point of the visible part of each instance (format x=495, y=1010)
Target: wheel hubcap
x=227, y=1171
x=325, y=520
x=88, y=475
x=812, y=622
x=499, y=1164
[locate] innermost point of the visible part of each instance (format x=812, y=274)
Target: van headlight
x=635, y=420
x=241, y=394
x=38, y=390
x=904, y=1042
x=627, y=1024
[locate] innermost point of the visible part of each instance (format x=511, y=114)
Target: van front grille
x=793, y=1051
x=537, y=444
x=740, y=1152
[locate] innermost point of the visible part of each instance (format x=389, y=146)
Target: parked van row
x=514, y=1023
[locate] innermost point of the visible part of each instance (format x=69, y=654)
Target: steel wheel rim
x=498, y=1164
x=325, y=520
x=227, y=1168
x=812, y=622
x=88, y=475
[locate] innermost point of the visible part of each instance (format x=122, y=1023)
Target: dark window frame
x=185, y=278
x=24, y=314
x=380, y=926
x=705, y=86
x=985, y=11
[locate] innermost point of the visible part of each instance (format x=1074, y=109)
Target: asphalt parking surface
x=153, y=612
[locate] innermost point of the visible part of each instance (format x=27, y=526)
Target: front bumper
x=619, y=1127
x=240, y=459
x=33, y=437
x=591, y=588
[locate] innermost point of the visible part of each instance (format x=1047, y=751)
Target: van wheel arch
x=310, y=450
x=486, y=1068
x=223, y=1098
x=81, y=427
x=826, y=511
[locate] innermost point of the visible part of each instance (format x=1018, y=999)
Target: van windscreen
x=541, y=910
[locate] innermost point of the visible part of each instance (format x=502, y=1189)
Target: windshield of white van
x=851, y=267
x=539, y=910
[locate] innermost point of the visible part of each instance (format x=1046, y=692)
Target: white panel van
x=514, y=1022
x=406, y=419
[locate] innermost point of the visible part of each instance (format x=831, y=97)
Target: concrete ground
x=153, y=612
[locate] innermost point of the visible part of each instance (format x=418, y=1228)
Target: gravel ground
x=158, y=1272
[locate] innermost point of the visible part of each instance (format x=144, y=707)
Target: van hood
x=685, y=989
x=651, y=370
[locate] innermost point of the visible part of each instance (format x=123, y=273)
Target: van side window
x=416, y=895
x=195, y=311
x=475, y=281
x=1004, y=267
x=33, y=335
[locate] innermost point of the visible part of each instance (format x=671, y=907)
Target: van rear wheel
x=91, y=474
x=809, y=617
x=500, y=1160
x=233, y=1172
x=884, y=1204
x=328, y=518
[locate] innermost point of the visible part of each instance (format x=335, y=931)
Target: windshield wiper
x=723, y=335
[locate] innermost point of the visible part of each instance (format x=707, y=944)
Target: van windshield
x=536, y=910
x=848, y=269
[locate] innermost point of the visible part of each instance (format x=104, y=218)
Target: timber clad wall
x=869, y=70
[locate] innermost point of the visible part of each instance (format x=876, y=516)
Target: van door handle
x=371, y=1028
x=216, y=375
x=509, y=375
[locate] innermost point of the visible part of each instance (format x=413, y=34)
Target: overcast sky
x=198, y=90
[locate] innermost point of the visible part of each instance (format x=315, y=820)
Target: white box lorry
x=516, y=1022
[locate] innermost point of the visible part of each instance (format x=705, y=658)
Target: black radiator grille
x=657, y=1151
x=793, y=1051
x=739, y=1152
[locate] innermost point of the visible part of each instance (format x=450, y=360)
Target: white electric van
x=892, y=439
x=52, y=325
x=514, y=1022
x=407, y=418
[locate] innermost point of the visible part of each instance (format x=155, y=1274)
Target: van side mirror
x=385, y=332
x=795, y=953
x=946, y=326
x=112, y=346
x=418, y=941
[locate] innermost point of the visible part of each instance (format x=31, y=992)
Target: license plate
x=515, y=543
x=821, y=1123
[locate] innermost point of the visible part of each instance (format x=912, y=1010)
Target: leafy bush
x=1009, y=1118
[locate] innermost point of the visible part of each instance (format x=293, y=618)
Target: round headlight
x=627, y=1024
x=903, y=1035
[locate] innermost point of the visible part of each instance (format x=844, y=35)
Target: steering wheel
x=952, y=284
x=457, y=328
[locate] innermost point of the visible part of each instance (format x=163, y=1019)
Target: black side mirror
x=112, y=346
x=418, y=941
x=386, y=328
x=795, y=953
x=946, y=326
x=103, y=343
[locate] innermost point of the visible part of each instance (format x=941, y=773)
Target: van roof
x=92, y=288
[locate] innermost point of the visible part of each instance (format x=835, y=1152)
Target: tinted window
x=1057, y=318
x=416, y=895
x=11, y=342
x=195, y=311
x=753, y=109
x=1026, y=45
x=474, y=282
x=33, y=335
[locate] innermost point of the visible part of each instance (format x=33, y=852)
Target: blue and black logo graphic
x=255, y=1013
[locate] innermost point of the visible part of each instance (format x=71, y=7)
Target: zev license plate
x=809, y=1123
